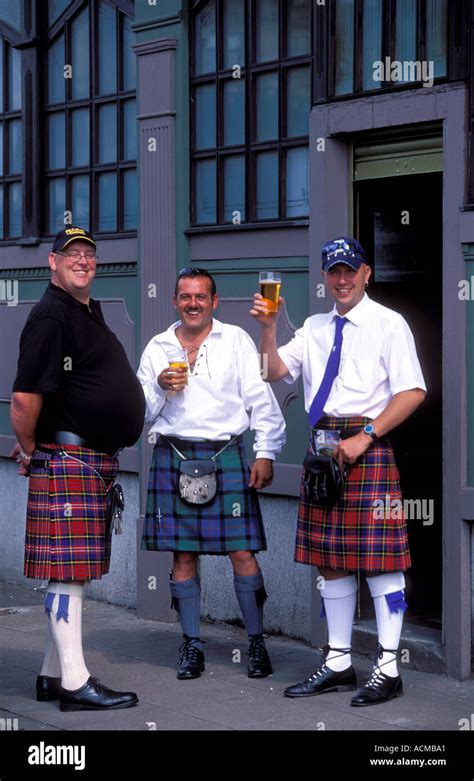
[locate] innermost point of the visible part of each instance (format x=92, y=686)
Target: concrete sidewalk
x=130, y=653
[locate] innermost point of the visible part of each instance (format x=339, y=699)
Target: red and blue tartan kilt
x=66, y=514
x=231, y=522
x=351, y=535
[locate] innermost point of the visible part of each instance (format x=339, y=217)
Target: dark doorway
x=399, y=223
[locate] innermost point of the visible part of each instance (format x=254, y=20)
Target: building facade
x=259, y=129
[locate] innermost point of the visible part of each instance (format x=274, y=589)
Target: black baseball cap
x=343, y=250
x=68, y=235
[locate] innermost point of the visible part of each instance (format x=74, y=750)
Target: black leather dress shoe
x=325, y=679
x=380, y=687
x=47, y=688
x=94, y=695
x=191, y=662
x=259, y=664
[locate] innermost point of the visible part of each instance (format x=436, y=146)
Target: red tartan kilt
x=353, y=534
x=65, y=535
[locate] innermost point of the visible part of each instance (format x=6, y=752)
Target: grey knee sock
x=251, y=595
x=186, y=600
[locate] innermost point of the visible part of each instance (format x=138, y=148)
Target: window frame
x=250, y=147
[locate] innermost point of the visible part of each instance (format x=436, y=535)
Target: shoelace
x=377, y=677
x=190, y=653
x=257, y=649
x=321, y=670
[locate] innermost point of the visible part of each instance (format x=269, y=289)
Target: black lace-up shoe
x=259, y=664
x=380, y=687
x=325, y=679
x=94, y=695
x=47, y=688
x=191, y=663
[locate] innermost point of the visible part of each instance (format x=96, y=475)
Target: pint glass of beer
x=178, y=359
x=270, y=283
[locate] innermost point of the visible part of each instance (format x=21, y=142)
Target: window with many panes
x=408, y=32
x=90, y=118
x=250, y=104
x=11, y=141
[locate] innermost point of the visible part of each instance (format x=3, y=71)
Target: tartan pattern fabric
x=66, y=514
x=231, y=522
x=350, y=536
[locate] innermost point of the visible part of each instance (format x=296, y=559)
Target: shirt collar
x=356, y=314
x=171, y=338
x=67, y=298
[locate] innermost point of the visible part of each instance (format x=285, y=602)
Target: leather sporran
x=323, y=479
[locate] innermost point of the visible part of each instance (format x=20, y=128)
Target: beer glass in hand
x=270, y=284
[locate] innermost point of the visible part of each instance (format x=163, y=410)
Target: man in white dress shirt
x=196, y=413
x=361, y=379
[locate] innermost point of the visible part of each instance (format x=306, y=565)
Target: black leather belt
x=69, y=438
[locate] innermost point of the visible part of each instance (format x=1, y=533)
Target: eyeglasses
x=196, y=272
x=73, y=256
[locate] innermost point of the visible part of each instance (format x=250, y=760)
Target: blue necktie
x=332, y=369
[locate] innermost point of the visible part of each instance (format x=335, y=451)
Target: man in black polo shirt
x=75, y=403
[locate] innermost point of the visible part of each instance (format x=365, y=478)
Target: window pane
x=14, y=79
x=298, y=27
x=129, y=124
x=298, y=101
x=56, y=141
x=130, y=200
x=372, y=42
x=206, y=191
x=266, y=13
x=80, y=55
x=10, y=12
x=129, y=64
x=405, y=35
x=344, y=47
x=234, y=112
x=267, y=185
x=436, y=35
x=1, y=212
x=108, y=202
x=108, y=133
x=234, y=188
x=205, y=33
x=1, y=73
x=233, y=38
x=205, y=116
x=107, y=50
x=56, y=82
x=57, y=205
x=297, y=182
x=267, y=106
x=55, y=9
x=14, y=208
x=15, y=146
x=80, y=137
x=80, y=201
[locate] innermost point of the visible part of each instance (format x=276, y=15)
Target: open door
x=398, y=221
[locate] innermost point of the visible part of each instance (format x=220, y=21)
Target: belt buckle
x=325, y=441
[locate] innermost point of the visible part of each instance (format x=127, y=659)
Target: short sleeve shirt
x=70, y=356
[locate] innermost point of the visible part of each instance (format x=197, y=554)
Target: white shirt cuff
x=265, y=454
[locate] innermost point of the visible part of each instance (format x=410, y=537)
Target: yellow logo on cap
x=70, y=231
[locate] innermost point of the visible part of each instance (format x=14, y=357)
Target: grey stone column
x=157, y=265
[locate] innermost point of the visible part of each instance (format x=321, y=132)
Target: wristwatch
x=369, y=429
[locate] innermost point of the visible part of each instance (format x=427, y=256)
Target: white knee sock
x=389, y=625
x=68, y=634
x=51, y=662
x=339, y=603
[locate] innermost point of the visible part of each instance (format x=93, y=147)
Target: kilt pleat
x=351, y=535
x=231, y=522
x=65, y=535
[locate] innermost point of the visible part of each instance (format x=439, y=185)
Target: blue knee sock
x=186, y=600
x=251, y=595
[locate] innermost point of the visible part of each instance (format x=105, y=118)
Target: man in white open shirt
x=361, y=379
x=199, y=412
